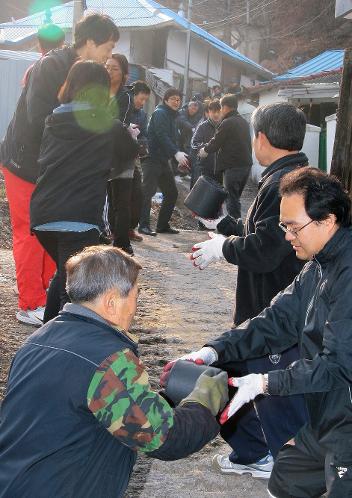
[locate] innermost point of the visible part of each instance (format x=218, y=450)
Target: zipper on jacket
x=310, y=305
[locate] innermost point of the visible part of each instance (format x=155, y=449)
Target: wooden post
x=341, y=164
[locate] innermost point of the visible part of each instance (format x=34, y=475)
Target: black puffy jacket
x=266, y=261
x=315, y=312
x=19, y=150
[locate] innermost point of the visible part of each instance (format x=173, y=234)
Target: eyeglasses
x=285, y=229
x=175, y=99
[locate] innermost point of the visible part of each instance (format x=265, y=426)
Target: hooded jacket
x=19, y=150
x=314, y=312
x=75, y=159
x=266, y=261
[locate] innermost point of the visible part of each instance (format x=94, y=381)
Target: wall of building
x=205, y=63
x=270, y=97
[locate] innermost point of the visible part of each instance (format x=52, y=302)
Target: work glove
x=249, y=387
x=211, y=391
x=211, y=224
x=133, y=130
x=205, y=253
x=182, y=159
x=202, y=154
x=204, y=356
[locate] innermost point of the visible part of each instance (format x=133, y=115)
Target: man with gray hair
x=266, y=265
x=79, y=404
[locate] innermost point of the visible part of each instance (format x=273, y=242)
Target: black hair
x=323, y=194
x=97, y=27
x=87, y=81
x=123, y=63
x=214, y=105
x=229, y=100
x=50, y=36
x=170, y=92
x=284, y=125
x=140, y=87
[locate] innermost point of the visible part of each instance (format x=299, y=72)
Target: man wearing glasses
x=266, y=265
x=157, y=170
x=315, y=312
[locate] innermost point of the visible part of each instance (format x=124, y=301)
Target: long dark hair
x=123, y=63
x=87, y=81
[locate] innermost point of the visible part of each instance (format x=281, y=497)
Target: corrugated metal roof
x=126, y=14
x=326, y=61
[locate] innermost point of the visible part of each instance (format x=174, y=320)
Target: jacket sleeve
x=125, y=147
x=230, y=226
x=44, y=84
x=332, y=368
x=120, y=398
x=220, y=137
x=197, y=141
x=274, y=330
x=160, y=127
x=265, y=249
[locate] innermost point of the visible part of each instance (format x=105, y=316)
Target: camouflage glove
x=211, y=391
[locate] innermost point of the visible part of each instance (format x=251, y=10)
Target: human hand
x=210, y=223
x=205, y=253
x=202, y=154
x=134, y=130
x=204, y=356
x=211, y=391
x=181, y=158
x=249, y=387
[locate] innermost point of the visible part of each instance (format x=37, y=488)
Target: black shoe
x=201, y=227
x=128, y=249
x=146, y=231
x=167, y=230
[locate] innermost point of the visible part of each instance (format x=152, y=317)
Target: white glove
x=181, y=158
x=248, y=388
x=133, y=130
x=209, y=251
x=202, y=154
x=211, y=224
x=204, y=356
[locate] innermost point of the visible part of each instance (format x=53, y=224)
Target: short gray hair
x=98, y=269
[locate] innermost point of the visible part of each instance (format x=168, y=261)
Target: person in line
x=95, y=36
x=266, y=265
x=315, y=312
x=80, y=142
x=121, y=184
x=157, y=170
x=203, y=134
x=98, y=409
x=232, y=142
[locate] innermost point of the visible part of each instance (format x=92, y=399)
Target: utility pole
x=188, y=52
x=77, y=12
x=247, y=11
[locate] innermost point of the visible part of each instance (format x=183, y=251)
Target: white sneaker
x=261, y=469
x=31, y=317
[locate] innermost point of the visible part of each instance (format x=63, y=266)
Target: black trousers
x=158, y=173
x=308, y=470
x=125, y=201
x=61, y=246
x=235, y=180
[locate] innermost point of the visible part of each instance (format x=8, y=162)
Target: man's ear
x=110, y=302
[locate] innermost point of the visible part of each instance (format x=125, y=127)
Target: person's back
x=162, y=132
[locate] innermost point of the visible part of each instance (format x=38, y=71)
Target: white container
x=330, y=139
x=311, y=144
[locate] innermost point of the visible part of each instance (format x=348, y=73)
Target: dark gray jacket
x=315, y=312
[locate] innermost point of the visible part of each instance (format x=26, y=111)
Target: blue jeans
x=254, y=430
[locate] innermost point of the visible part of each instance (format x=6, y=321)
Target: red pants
x=34, y=267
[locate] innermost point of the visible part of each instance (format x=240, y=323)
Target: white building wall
x=176, y=53
x=271, y=97
x=123, y=46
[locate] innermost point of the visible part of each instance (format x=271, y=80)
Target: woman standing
x=79, y=144
x=121, y=184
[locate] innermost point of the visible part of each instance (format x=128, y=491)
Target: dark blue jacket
x=162, y=133
x=80, y=458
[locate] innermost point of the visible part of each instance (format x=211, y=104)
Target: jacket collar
x=299, y=159
x=335, y=245
x=168, y=109
x=230, y=114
